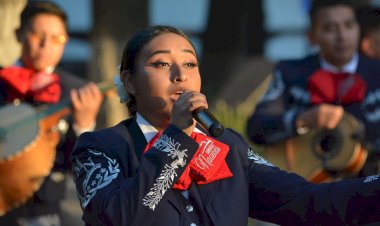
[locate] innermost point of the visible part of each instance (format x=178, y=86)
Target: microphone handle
x=207, y=120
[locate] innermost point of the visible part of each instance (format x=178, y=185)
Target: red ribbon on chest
x=26, y=84
x=207, y=165
x=336, y=88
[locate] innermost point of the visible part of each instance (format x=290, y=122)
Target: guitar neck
x=14, y=116
x=48, y=110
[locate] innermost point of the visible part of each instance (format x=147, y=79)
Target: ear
x=366, y=47
x=127, y=79
x=19, y=35
x=311, y=38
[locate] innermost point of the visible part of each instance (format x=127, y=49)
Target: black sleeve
x=68, y=138
x=273, y=118
x=3, y=93
x=288, y=199
x=110, y=193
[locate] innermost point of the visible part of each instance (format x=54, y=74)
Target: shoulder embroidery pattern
x=166, y=178
x=371, y=178
x=275, y=89
x=369, y=106
x=257, y=158
x=300, y=94
x=96, y=175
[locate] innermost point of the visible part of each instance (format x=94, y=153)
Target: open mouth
x=176, y=95
x=178, y=92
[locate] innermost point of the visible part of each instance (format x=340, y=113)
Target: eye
x=191, y=64
x=329, y=28
x=160, y=64
x=351, y=24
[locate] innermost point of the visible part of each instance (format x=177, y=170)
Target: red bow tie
x=26, y=84
x=336, y=88
x=207, y=165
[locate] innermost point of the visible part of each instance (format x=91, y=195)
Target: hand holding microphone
x=196, y=103
x=207, y=120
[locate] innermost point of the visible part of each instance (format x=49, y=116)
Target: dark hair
x=368, y=18
x=317, y=5
x=134, y=47
x=35, y=8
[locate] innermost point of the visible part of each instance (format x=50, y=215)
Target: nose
x=178, y=73
x=341, y=33
x=344, y=33
x=43, y=42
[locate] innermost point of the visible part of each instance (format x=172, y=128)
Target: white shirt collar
x=148, y=130
x=350, y=67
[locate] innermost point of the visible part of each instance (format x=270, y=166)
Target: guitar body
x=28, y=140
x=319, y=154
x=27, y=152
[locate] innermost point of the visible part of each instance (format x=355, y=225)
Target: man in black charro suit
x=291, y=105
x=43, y=35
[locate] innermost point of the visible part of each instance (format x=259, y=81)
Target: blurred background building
x=228, y=35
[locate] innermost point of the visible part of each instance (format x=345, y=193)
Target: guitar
x=322, y=155
x=28, y=139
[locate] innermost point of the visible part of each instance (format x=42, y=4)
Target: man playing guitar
x=35, y=79
x=317, y=91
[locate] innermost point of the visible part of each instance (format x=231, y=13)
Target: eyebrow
x=168, y=51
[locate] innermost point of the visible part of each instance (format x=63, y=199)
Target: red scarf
x=207, y=165
x=26, y=84
x=336, y=88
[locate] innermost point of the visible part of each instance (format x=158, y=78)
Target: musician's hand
x=182, y=111
x=86, y=103
x=321, y=116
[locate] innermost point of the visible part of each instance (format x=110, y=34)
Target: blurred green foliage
x=234, y=117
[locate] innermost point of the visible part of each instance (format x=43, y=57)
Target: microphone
x=207, y=120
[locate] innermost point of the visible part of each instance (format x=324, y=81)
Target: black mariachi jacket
x=117, y=185
x=287, y=96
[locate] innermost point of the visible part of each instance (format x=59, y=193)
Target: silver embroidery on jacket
x=97, y=176
x=369, y=106
x=276, y=87
x=300, y=94
x=166, y=178
x=371, y=178
x=257, y=158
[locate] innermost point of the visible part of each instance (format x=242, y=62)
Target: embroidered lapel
x=139, y=143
